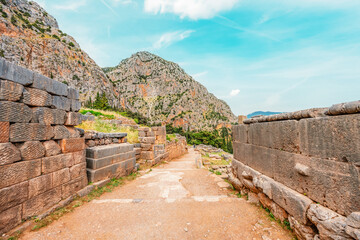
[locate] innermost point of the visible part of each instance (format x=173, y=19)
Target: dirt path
x=173, y=201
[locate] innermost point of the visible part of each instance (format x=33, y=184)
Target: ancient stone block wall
x=42, y=155
x=152, y=145
x=93, y=138
x=304, y=167
x=176, y=148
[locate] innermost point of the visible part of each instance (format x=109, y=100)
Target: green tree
x=101, y=102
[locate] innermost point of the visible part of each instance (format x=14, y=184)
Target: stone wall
x=152, y=145
x=94, y=138
x=176, y=148
x=304, y=166
x=42, y=155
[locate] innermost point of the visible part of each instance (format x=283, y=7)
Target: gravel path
x=173, y=201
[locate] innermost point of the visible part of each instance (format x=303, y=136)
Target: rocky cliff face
x=31, y=37
x=144, y=83
x=163, y=92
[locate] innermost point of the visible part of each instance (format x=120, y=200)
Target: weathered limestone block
x=72, y=145
x=22, y=132
x=142, y=134
x=115, y=135
x=147, y=140
x=61, y=103
x=32, y=150
x=103, y=173
x=51, y=148
x=55, y=163
x=9, y=153
x=282, y=135
x=37, y=98
x=353, y=225
x=4, y=132
x=10, y=217
x=150, y=134
x=330, y=224
x=10, y=91
x=19, y=172
x=13, y=195
x=15, y=73
x=75, y=105
x=73, y=186
x=106, y=161
x=147, y=147
x=144, y=129
x=344, y=108
x=240, y=133
x=147, y=155
x=60, y=177
x=320, y=181
x=335, y=138
x=52, y=86
x=48, y=116
x=105, y=151
x=77, y=171
x=74, y=133
x=301, y=230
x=41, y=202
x=14, y=112
x=40, y=185
x=79, y=157
x=73, y=93
x=73, y=119
x=61, y=132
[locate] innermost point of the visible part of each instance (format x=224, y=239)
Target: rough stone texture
x=61, y=103
x=302, y=231
x=39, y=185
x=79, y=157
x=277, y=135
x=51, y=148
x=148, y=140
x=14, y=195
x=73, y=186
x=147, y=147
x=344, y=108
x=74, y=133
x=75, y=106
x=60, y=177
x=73, y=119
x=10, y=91
x=19, y=172
x=37, y=98
x=9, y=153
x=55, y=163
x=330, y=224
x=54, y=87
x=35, y=205
x=147, y=155
x=22, y=132
x=32, y=150
x=109, y=150
x=61, y=132
x=4, y=132
x=77, y=171
x=72, y=145
x=240, y=133
x=14, y=73
x=353, y=225
x=10, y=218
x=336, y=138
x=73, y=93
x=14, y=112
x=48, y=116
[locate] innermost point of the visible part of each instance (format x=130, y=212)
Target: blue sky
x=270, y=55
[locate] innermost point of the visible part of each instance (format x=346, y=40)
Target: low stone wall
x=304, y=166
x=110, y=161
x=94, y=138
x=152, y=145
x=42, y=156
x=176, y=148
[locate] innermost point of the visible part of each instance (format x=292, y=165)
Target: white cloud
x=171, y=37
x=234, y=92
x=193, y=9
x=71, y=5
x=123, y=2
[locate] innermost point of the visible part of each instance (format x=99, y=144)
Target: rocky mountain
x=163, y=92
x=143, y=83
x=31, y=37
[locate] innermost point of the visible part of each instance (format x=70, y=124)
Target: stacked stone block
x=176, y=148
x=151, y=144
x=94, y=138
x=159, y=134
x=110, y=161
x=42, y=155
x=293, y=161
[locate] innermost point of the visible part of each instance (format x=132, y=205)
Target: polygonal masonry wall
x=42, y=155
x=291, y=161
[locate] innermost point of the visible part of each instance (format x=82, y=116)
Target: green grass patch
x=98, y=114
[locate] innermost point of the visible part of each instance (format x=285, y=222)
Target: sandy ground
x=173, y=201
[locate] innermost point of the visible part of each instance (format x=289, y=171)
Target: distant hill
x=262, y=113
